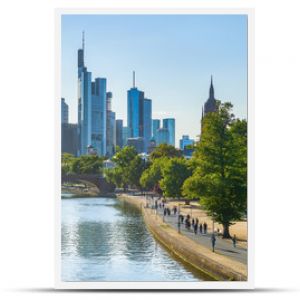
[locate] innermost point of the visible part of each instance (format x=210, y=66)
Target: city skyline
x=227, y=64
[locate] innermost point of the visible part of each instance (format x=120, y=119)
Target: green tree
x=164, y=150
x=129, y=168
x=87, y=164
x=174, y=173
x=67, y=160
x=114, y=176
x=220, y=178
x=152, y=175
x=135, y=170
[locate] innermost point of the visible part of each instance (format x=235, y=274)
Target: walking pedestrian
x=213, y=242
x=196, y=228
x=200, y=228
x=234, y=241
x=205, y=228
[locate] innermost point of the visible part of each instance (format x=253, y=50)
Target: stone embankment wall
x=214, y=265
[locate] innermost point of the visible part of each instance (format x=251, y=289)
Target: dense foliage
x=128, y=169
x=85, y=164
x=174, y=173
x=220, y=176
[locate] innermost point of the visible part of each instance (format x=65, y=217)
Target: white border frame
x=122, y=285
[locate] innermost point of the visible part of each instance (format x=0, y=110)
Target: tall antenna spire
x=134, y=79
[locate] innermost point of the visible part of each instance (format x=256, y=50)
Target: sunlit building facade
x=162, y=136
x=98, y=139
x=119, y=133
x=147, y=123
x=64, y=111
x=169, y=124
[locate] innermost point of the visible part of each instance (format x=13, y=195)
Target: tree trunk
x=226, y=234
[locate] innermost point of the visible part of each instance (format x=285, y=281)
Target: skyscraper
x=125, y=135
x=162, y=136
x=119, y=133
x=170, y=125
x=155, y=127
x=147, y=122
x=135, y=111
x=64, y=112
x=110, y=127
x=98, y=140
x=92, y=112
x=137, y=143
x=84, y=103
x=69, y=138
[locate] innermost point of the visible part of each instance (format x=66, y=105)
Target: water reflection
x=104, y=239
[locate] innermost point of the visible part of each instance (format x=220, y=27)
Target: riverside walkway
x=223, y=246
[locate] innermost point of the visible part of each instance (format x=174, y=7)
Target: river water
x=104, y=239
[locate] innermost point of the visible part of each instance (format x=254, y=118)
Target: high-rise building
x=64, y=111
x=162, y=136
x=110, y=127
x=137, y=143
x=125, y=135
x=84, y=103
x=135, y=111
x=92, y=111
x=185, y=141
x=119, y=133
x=98, y=140
x=69, y=138
x=147, y=123
x=155, y=126
x=169, y=124
x=211, y=104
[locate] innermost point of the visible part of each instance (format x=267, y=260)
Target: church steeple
x=211, y=89
x=210, y=105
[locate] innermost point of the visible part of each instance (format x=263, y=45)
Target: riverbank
x=215, y=265
x=80, y=192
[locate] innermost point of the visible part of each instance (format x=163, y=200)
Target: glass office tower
x=69, y=138
x=111, y=134
x=84, y=103
x=119, y=133
x=98, y=140
x=84, y=110
x=125, y=135
x=170, y=125
x=64, y=112
x=110, y=126
x=147, y=123
x=155, y=127
x=162, y=136
x=135, y=112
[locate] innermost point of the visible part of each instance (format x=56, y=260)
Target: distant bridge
x=98, y=180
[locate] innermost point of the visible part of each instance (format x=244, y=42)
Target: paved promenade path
x=223, y=247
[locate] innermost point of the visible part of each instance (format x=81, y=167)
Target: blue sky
x=173, y=56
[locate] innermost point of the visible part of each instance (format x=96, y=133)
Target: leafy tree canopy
x=220, y=176
x=152, y=175
x=164, y=150
x=174, y=173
